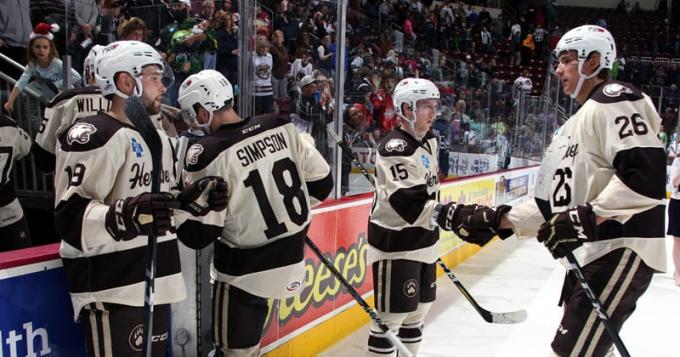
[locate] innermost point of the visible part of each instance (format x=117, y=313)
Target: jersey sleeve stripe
x=197, y=235
x=639, y=169
x=68, y=219
x=410, y=202
x=102, y=277
x=280, y=253
x=404, y=239
x=647, y=224
x=320, y=189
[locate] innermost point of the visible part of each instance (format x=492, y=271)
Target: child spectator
x=43, y=66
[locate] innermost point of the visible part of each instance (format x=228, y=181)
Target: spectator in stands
x=262, y=77
x=309, y=109
x=44, y=66
x=133, y=29
x=516, y=44
x=227, y=46
x=523, y=83
x=208, y=10
x=540, y=36
x=15, y=33
x=441, y=128
x=281, y=66
x=354, y=133
x=325, y=55
x=227, y=6
x=302, y=66
x=384, y=113
x=669, y=120
x=55, y=12
x=460, y=122
x=184, y=44
x=485, y=40
x=528, y=49
x=110, y=18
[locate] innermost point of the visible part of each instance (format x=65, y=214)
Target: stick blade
x=513, y=317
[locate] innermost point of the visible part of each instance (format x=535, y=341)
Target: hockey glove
x=144, y=214
x=568, y=230
x=457, y=218
x=205, y=195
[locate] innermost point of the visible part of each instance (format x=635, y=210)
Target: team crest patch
x=136, y=338
x=80, y=133
x=411, y=288
x=615, y=90
x=193, y=153
x=137, y=148
x=425, y=160
x=396, y=145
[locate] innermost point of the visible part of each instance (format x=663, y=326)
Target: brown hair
x=29, y=51
x=130, y=26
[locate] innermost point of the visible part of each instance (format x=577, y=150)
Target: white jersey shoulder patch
x=193, y=153
x=615, y=90
x=80, y=133
x=396, y=145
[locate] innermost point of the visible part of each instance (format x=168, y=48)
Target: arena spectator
x=309, y=109
x=262, y=77
x=133, y=29
x=184, y=44
x=15, y=33
x=227, y=46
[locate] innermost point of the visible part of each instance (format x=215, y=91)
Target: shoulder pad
x=397, y=143
x=90, y=133
x=72, y=92
x=615, y=91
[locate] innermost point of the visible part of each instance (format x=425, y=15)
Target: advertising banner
x=36, y=318
x=341, y=235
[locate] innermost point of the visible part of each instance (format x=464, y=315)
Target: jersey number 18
x=290, y=193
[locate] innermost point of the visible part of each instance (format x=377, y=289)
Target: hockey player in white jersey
x=273, y=176
x=602, y=181
x=64, y=109
x=403, y=226
x=105, y=210
x=14, y=145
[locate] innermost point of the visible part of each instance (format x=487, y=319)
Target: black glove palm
x=568, y=230
x=205, y=195
x=144, y=214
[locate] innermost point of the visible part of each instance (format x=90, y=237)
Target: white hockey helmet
x=124, y=56
x=585, y=40
x=210, y=90
x=88, y=64
x=410, y=91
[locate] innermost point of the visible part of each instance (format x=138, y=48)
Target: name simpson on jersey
x=260, y=148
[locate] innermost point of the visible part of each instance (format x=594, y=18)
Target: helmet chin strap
x=136, y=92
x=206, y=126
x=411, y=127
x=582, y=78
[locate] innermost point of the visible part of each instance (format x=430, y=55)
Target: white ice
x=512, y=275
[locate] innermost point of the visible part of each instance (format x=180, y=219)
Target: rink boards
x=34, y=304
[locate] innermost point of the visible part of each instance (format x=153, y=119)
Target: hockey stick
x=135, y=111
x=346, y=149
x=488, y=316
x=512, y=317
x=357, y=297
x=575, y=267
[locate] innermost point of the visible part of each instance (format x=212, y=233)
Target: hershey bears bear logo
x=80, y=133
